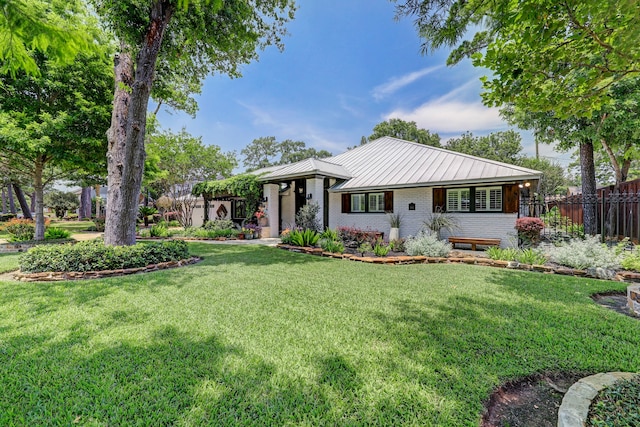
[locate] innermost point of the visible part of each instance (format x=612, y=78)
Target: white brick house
x=357, y=188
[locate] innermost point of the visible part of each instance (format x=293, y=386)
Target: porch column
x=271, y=192
x=315, y=187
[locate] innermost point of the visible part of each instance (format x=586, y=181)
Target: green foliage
x=305, y=238
x=266, y=151
x=398, y=128
x=61, y=202
x=395, y=219
x=503, y=254
x=584, y=253
x=20, y=230
x=99, y=223
x=504, y=146
x=52, y=233
x=440, y=220
x=380, y=249
x=307, y=217
x=329, y=234
x=537, y=52
x=159, y=230
x=631, y=259
x=205, y=233
x=397, y=245
x=285, y=237
x=56, y=28
x=553, y=180
x=246, y=186
x=616, y=405
x=96, y=256
x=427, y=244
x=174, y=223
x=531, y=256
x=364, y=248
x=330, y=245
x=219, y=224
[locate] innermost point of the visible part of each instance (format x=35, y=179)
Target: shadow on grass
x=466, y=345
x=172, y=379
x=252, y=255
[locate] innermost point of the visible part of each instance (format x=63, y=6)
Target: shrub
x=506, y=254
x=381, y=249
x=219, y=224
x=631, y=259
x=584, y=253
x=7, y=217
x=530, y=256
x=285, y=236
x=441, y=220
x=96, y=256
x=304, y=237
x=427, y=244
x=329, y=234
x=56, y=233
x=20, y=230
x=353, y=237
x=174, y=223
x=617, y=405
x=397, y=245
x=307, y=217
x=332, y=246
x=365, y=247
x=99, y=222
x=529, y=229
x=159, y=230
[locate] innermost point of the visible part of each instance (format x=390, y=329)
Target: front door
x=301, y=193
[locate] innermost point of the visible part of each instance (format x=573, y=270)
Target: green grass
x=72, y=226
x=8, y=262
x=259, y=336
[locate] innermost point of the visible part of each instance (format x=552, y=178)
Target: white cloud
x=397, y=83
x=452, y=113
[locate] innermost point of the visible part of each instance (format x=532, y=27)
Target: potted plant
x=394, y=222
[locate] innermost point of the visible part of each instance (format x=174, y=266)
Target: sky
x=347, y=65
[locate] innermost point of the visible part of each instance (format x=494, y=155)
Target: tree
x=267, y=151
x=159, y=39
x=401, y=129
x=183, y=161
x=61, y=202
x=500, y=146
x=542, y=55
x=261, y=153
x=47, y=130
x=55, y=28
x=553, y=179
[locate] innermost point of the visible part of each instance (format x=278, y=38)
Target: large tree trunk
x=12, y=204
x=38, y=187
x=85, y=203
x=4, y=200
x=589, y=192
x=126, y=154
x=24, y=206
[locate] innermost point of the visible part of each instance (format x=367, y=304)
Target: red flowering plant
x=529, y=229
x=259, y=214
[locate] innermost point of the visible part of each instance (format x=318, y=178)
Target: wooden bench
x=473, y=241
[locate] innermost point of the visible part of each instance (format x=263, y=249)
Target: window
x=358, y=203
x=376, y=202
x=489, y=199
x=458, y=200
x=379, y=202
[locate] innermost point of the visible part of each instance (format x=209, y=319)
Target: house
x=357, y=188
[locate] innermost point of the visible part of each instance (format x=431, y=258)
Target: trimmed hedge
x=95, y=256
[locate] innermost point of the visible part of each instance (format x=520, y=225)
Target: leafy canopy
x=560, y=55
x=408, y=131
x=267, y=151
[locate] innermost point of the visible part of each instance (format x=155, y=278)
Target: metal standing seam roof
x=394, y=163
x=308, y=167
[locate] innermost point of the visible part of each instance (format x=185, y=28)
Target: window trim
x=487, y=191
x=473, y=199
x=380, y=198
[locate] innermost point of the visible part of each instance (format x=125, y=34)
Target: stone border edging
x=574, y=409
x=596, y=273
x=56, y=276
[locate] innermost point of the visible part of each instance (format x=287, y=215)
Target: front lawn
x=259, y=336
x=8, y=262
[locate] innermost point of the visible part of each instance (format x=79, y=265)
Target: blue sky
x=347, y=65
